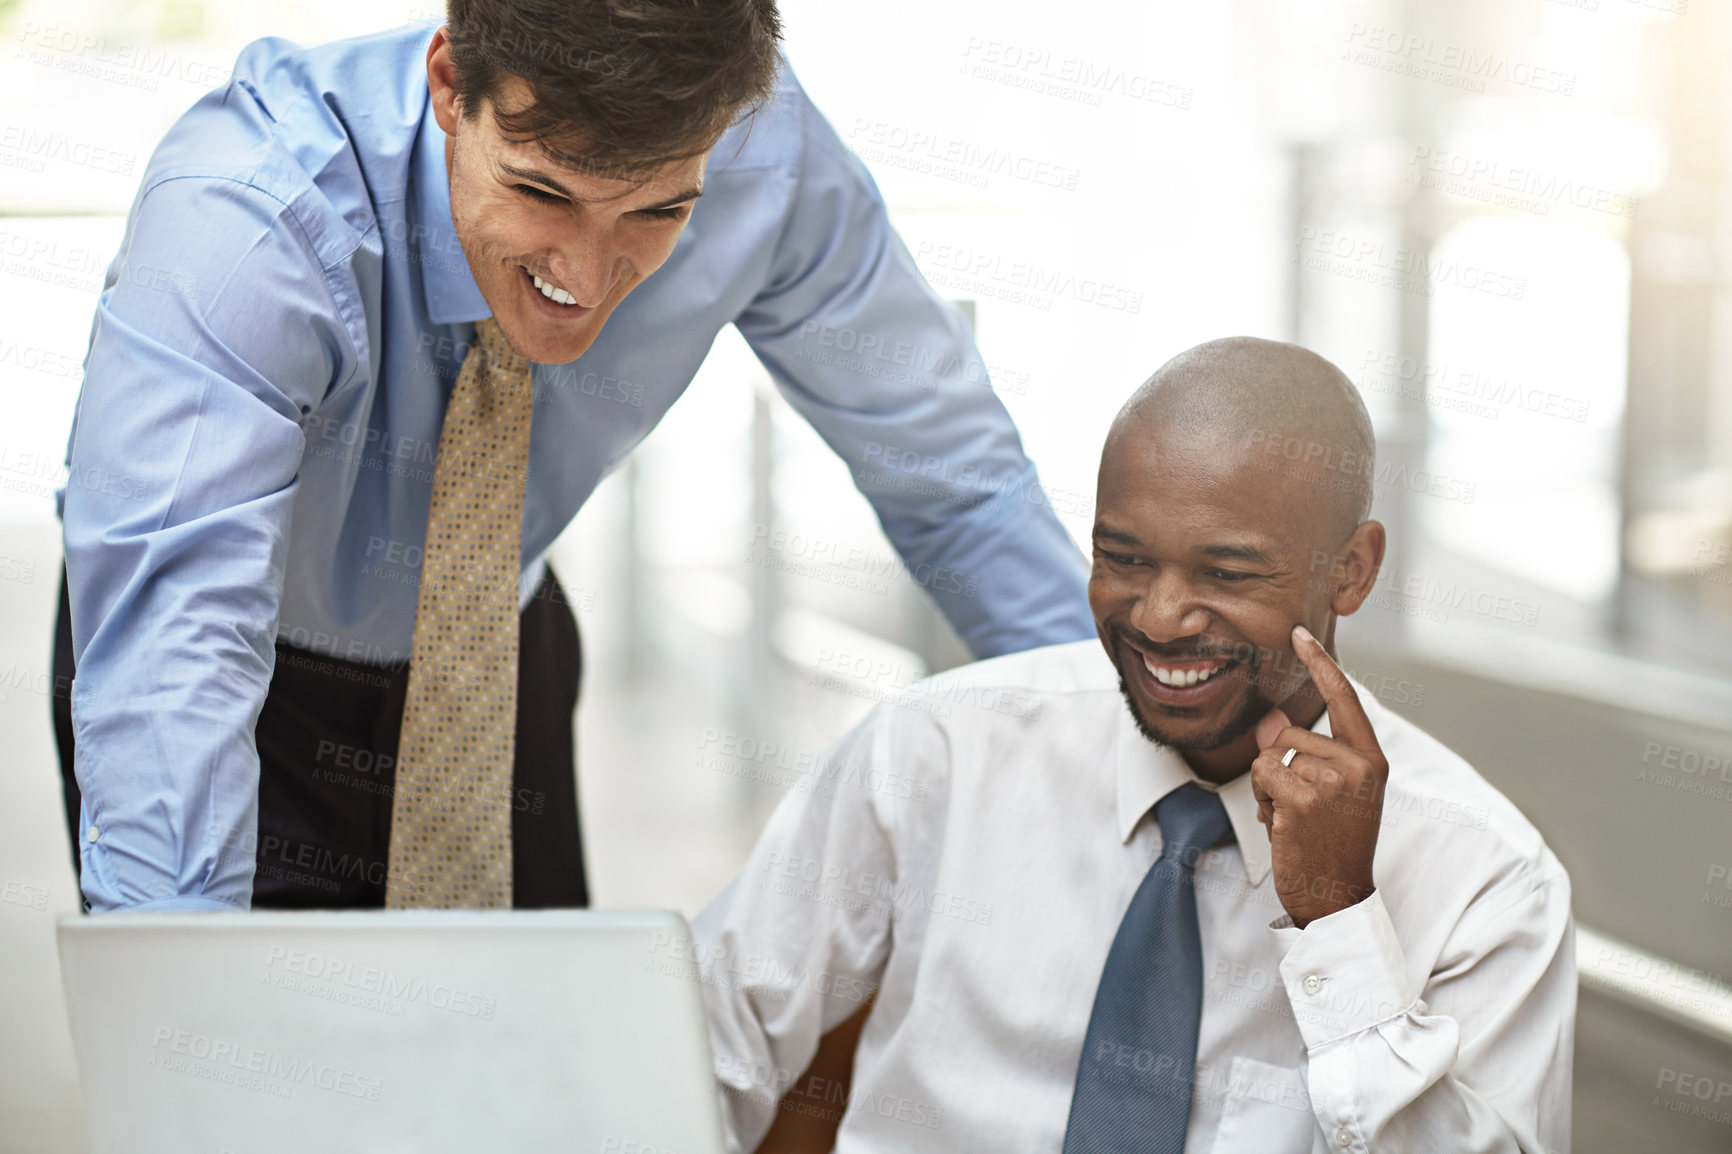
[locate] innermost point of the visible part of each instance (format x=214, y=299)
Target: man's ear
x=442, y=82
x=1358, y=563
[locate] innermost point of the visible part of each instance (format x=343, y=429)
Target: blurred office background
x=1510, y=221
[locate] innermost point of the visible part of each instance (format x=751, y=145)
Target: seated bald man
x=1189, y=888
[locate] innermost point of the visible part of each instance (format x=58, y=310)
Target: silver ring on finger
x=1287, y=758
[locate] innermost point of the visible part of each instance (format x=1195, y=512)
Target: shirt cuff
x=181, y=904
x=1345, y=973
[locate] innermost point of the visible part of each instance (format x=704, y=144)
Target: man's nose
x=583, y=267
x=1169, y=609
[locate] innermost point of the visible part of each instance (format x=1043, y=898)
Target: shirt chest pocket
x=1266, y=1110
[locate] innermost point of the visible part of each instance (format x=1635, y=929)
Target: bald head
x=1234, y=489
x=1285, y=405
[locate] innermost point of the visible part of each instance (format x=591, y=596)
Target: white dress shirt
x=970, y=850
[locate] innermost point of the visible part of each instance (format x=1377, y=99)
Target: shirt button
x=92, y=834
x=1342, y=1137
x=1313, y=986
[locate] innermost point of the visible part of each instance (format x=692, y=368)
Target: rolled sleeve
x=799, y=940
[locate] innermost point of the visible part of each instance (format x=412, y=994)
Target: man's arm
x=1477, y=1060
x=798, y=942
x=888, y=374
x=810, y=1113
x=215, y=339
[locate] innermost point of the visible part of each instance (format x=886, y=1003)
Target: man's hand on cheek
x=1323, y=807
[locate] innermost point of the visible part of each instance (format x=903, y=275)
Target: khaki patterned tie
x=451, y=808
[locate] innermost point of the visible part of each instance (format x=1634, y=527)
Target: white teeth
x=557, y=295
x=1181, y=678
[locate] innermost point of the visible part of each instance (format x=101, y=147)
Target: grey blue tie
x=1133, y=1084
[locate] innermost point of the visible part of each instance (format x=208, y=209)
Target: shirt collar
x=1148, y=772
x=449, y=290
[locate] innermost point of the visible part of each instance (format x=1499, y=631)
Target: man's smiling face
x=1203, y=562
x=1200, y=571
x=553, y=248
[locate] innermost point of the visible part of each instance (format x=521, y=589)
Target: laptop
x=401, y=1032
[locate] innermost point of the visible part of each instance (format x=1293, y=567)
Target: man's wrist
x=1322, y=897
x=1345, y=973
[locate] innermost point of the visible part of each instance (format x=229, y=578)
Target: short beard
x=1242, y=722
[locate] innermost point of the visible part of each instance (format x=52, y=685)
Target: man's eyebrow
x=681, y=197
x=538, y=177
x=1108, y=533
x=1238, y=553
x=1249, y=553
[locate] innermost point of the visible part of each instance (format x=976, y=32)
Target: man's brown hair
x=619, y=86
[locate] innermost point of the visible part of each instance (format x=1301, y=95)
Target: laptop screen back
x=423, y=1031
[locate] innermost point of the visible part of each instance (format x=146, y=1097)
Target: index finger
x=1347, y=720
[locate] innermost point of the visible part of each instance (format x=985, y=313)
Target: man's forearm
x=1003, y=571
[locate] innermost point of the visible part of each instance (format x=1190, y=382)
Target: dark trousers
x=327, y=740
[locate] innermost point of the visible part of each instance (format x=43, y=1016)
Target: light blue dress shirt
x=269, y=367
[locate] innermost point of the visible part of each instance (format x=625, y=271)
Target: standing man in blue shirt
x=322, y=255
